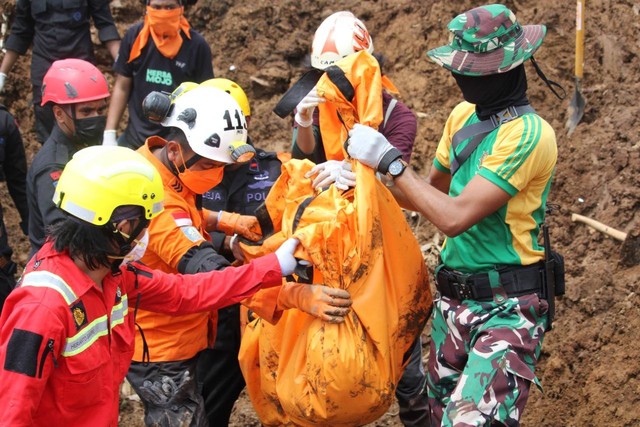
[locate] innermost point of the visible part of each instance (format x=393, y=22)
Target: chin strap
x=125, y=244
x=550, y=83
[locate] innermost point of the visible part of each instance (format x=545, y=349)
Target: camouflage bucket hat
x=487, y=40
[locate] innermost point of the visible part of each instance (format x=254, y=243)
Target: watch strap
x=387, y=158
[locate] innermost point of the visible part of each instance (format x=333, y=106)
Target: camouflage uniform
x=496, y=345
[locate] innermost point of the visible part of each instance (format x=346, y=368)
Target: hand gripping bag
x=303, y=371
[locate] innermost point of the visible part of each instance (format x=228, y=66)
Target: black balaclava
x=495, y=92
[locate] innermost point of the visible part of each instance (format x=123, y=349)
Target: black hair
x=91, y=243
x=177, y=135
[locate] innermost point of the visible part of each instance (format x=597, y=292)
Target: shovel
x=576, y=106
x=630, y=251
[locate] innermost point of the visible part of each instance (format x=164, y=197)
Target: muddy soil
x=590, y=362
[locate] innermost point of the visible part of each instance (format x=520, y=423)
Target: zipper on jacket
x=48, y=349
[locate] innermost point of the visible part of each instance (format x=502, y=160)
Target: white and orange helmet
x=339, y=35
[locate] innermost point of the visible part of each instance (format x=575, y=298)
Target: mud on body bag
x=303, y=371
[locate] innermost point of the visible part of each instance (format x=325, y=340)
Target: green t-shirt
x=519, y=157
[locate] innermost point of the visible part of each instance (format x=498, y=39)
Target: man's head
x=340, y=35
x=487, y=40
x=110, y=194
x=208, y=132
x=78, y=92
x=164, y=4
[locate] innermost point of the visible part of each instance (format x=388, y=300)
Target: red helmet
x=70, y=81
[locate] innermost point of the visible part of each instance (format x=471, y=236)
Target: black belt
x=516, y=281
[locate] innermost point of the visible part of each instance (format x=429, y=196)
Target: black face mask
x=493, y=93
x=89, y=131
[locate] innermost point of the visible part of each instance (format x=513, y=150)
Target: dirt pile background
x=590, y=362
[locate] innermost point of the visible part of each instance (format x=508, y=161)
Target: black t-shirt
x=58, y=29
x=153, y=71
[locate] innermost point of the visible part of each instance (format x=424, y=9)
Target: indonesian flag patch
x=182, y=219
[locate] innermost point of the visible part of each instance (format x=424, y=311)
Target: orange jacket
x=177, y=229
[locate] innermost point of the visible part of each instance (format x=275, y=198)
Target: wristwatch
x=396, y=168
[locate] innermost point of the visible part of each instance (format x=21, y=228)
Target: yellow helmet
x=99, y=179
x=233, y=89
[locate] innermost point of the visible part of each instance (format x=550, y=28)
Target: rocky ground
x=590, y=362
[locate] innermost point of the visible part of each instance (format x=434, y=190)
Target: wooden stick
x=609, y=231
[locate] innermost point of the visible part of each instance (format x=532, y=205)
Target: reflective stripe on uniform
x=87, y=336
x=44, y=279
x=119, y=311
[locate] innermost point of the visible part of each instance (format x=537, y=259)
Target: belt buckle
x=463, y=290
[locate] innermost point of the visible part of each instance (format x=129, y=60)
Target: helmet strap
x=125, y=243
x=176, y=170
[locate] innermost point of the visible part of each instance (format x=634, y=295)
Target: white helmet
x=339, y=35
x=213, y=123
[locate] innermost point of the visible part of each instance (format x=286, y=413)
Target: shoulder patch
x=22, y=352
x=55, y=175
x=182, y=218
x=192, y=233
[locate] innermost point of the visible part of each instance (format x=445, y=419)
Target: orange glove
x=245, y=225
x=323, y=302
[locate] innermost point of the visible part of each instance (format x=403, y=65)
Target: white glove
x=3, y=77
x=346, y=177
x=327, y=173
x=304, y=110
x=330, y=172
x=109, y=138
x=285, y=256
x=370, y=147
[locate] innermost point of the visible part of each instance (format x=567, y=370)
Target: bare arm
x=113, y=46
x=306, y=141
x=10, y=58
x=452, y=215
x=119, y=98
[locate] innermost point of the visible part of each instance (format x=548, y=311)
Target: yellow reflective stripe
x=119, y=311
x=87, y=336
x=44, y=279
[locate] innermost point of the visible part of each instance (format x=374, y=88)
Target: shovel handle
x=579, y=38
x=609, y=231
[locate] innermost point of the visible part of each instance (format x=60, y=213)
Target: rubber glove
x=109, y=138
x=285, y=256
x=3, y=77
x=246, y=226
x=323, y=302
x=304, y=110
x=346, y=177
x=331, y=172
x=371, y=148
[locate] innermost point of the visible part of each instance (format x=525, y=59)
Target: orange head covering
x=164, y=26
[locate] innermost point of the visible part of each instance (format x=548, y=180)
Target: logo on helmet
x=70, y=90
x=188, y=115
x=213, y=141
x=361, y=37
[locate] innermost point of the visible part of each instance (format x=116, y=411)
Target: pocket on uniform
x=38, y=6
x=498, y=391
x=86, y=372
x=71, y=4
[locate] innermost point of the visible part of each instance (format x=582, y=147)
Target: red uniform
x=66, y=344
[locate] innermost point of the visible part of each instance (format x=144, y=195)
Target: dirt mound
x=590, y=363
